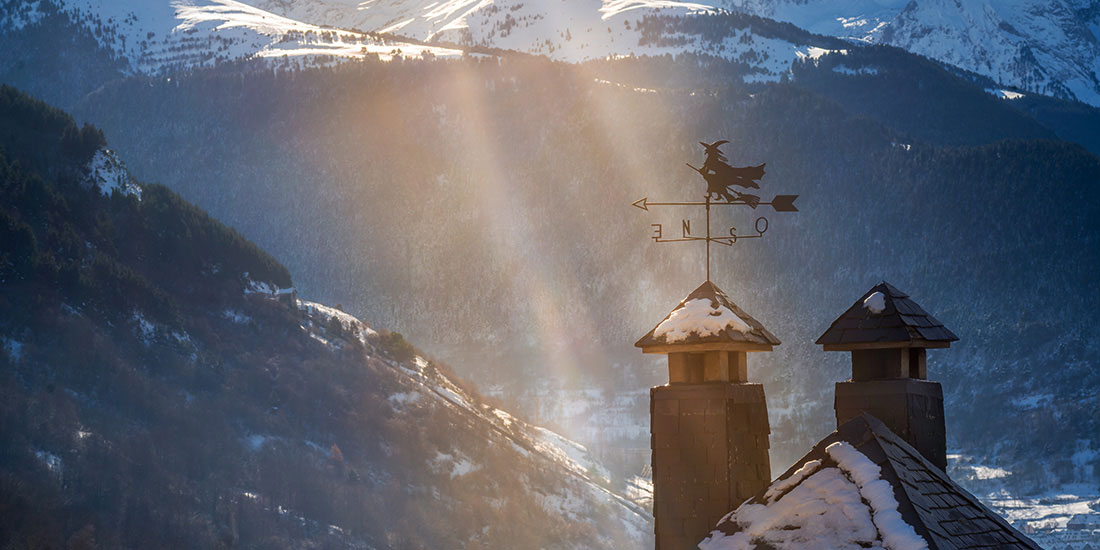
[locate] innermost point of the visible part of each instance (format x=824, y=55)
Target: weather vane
x=720, y=178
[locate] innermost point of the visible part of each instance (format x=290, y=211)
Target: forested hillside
x=483, y=207
x=161, y=387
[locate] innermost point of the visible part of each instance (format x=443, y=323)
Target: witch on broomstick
x=720, y=176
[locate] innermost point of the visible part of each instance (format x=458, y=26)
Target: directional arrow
x=784, y=203
x=641, y=204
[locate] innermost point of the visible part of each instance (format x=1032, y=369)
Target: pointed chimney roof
x=885, y=317
x=707, y=320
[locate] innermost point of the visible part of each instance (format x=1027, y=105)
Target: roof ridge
x=944, y=514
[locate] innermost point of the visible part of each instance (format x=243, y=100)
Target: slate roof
x=758, y=335
x=945, y=515
x=902, y=322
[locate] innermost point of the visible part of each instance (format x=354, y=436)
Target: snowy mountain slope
x=1046, y=47
x=1049, y=48
x=574, y=30
x=162, y=386
x=421, y=380
x=584, y=30
x=449, y=20
x=1037, y=46
x=159, y=36
x=418, y=19
x=861, y=20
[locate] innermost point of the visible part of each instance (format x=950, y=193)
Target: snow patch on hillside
x=457, y=465
x=52, y=462
x=814, y=53
x=107, y=172
x=13, y=348
x=17, y=19
x=844, y=69
x=611, y=8
x=144, y=328
x=1004, y=94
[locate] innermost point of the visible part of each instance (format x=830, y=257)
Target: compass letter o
x=759, y=229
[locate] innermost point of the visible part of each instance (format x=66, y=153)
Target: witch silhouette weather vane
x=721, y=178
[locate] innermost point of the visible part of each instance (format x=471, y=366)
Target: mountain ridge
x=1031, y=46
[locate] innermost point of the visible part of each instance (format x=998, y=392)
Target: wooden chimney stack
x=889, y=335
x=709, y=425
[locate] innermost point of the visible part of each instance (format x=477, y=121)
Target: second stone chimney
x=889, y=335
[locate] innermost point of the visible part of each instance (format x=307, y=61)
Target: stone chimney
x=709, y=426
x=889, y=335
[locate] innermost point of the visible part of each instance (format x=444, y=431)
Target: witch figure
x=720, y=176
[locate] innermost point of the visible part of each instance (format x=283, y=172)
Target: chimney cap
x=707, y=320
x=885, y=317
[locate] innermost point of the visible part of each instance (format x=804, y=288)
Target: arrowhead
x=784, y=203
x=641, y=203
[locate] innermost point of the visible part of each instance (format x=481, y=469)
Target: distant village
x=1082, y=532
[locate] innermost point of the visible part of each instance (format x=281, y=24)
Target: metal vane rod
x=781, y=203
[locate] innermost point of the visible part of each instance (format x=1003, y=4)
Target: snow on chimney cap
x=707, y=320
x=885, y=317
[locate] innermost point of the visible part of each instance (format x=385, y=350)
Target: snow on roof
x=700, y=316
x=875, y=303
x=707, y=315
x=864, y=487
x=841, y=503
